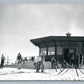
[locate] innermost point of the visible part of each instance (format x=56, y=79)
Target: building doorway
x=69, y=54
x=66, y=54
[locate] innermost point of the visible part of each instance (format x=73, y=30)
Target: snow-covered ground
x=48, y=74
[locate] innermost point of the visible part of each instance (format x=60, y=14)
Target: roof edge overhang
x=47, y=39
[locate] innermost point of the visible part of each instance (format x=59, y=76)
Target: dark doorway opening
x=66, y=55
x=70, y=56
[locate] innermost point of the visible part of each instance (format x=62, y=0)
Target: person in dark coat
x=72, y=60
x=2, y=61
x=19, y=60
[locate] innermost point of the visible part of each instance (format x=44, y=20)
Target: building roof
x=54, y=39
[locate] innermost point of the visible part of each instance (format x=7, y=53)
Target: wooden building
x=63, y=47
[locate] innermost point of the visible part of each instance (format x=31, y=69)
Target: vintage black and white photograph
x=42, y=41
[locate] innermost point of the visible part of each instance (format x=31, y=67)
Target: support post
x=39, y=51
x=82, y=55
x=79, y=61
x=82, y=61
x=47, y=51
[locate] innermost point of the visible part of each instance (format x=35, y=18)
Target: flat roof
x=47, y=39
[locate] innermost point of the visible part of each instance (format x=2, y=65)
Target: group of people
x=39, y=63
x=19, y=60
x=55, y=63
x=74, y=61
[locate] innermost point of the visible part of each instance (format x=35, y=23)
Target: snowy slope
x=30, y=74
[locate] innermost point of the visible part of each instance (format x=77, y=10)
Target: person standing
x=42, y=63
x=19, y=60
x=2, y=61
x=37, y=63
x=53, y=62
x=72, y=60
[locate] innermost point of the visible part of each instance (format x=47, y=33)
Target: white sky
x=21, y=22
